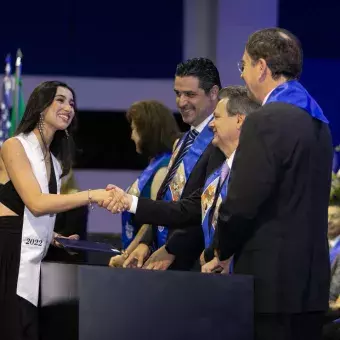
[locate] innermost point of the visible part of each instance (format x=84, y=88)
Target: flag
x=17, y=111
x=5, y=123
x=18, y=107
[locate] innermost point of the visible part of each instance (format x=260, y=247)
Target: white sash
x=37, y=232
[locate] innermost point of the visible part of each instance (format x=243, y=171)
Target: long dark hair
x=42, y=97
x=156, y=126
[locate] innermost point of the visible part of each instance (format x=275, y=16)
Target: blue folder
x=87, y=245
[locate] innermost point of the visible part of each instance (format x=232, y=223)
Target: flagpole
x=7, y=83
x=18, y=64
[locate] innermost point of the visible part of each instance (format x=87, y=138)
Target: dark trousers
x=305, y=326
x=331, y=331
x=28, y=320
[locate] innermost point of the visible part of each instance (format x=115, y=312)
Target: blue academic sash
x=292, y=92
x=212, y=196
x=211, y=199
x=177, y=185
x=334, y=252
x=129, y=229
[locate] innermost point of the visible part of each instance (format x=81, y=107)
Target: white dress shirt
x=199, y=128
x=231, y=160
x=333, y=242
x=267, y=96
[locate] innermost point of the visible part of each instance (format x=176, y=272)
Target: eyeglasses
x=240, y=66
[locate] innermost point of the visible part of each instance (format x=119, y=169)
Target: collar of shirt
x=230, y=160
x=333, y=242
x=267, y=96
x=199, y=128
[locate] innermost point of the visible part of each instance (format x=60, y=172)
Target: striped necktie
x=224, y=172
x=184, y=149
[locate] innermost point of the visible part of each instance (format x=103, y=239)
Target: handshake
x=113, y=199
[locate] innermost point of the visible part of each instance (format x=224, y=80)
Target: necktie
x=184, y=149
x=224, y=172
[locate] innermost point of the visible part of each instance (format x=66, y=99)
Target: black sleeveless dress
x=18, y=317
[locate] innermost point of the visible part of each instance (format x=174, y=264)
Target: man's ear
x=263, y=68
x=214, y=92
x=240, y=120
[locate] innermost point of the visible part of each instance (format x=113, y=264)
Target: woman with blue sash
x=154, y=132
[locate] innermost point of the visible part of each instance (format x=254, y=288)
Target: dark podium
x=96, y=302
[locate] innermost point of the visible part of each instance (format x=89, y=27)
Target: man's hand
x=335, y=305
x=216, y=266
x=137, y=257
x=118, y=260
x=202, y=259
x=159, y=260
x=120, y=201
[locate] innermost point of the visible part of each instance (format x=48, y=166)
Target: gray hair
x=238, y=100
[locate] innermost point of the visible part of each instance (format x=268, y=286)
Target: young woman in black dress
x=34, y=161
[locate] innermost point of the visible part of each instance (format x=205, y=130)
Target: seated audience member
x=334, y=229
x=334, y=239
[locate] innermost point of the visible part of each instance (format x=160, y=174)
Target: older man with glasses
x=274, y=218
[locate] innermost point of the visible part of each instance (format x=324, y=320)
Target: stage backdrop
x=115, y=53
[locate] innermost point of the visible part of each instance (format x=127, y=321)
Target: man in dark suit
x=196, y=86
x=274, y=219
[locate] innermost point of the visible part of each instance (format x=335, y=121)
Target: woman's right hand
x=101, y=195
x=106, y=197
